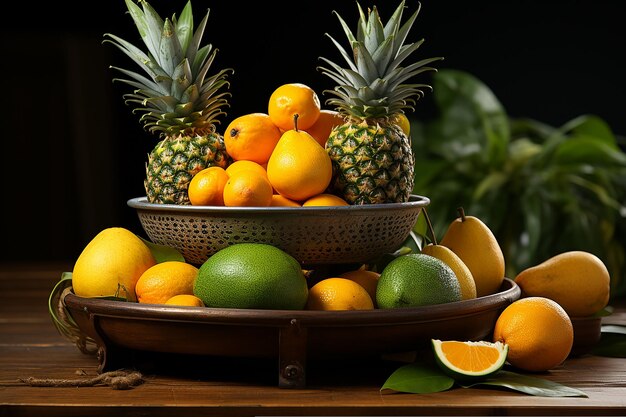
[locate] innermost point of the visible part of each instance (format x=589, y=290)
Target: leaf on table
x=418, y=378
x=612, y=342
x=529, y=385
x=163, y=253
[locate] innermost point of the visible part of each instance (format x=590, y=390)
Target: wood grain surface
x=180, y=385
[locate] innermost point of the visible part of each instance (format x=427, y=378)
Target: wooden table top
x=30, y=346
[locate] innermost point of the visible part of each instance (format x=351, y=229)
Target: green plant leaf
x=418, y=379
x=612, y=342
x=163, y=253
x=529, y=385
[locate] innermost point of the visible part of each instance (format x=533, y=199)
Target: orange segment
x=466, y=360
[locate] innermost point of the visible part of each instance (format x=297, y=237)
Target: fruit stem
x=461, y=213
x=295, y=121
x=431, y=229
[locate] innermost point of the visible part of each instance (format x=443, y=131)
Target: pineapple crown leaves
x=374, y=83
x=176, y=95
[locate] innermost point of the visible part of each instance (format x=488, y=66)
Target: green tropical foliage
x=542, y=190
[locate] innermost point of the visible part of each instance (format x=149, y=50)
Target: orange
x=325, y=199
x=538, y=331
x=185, y=300
x=403, y=121
x=248, y=188
x=338, y=294
x=164, y=280
x=366, y=279
x=244, y=165
x=206, y=188
x=322, y=127
x=293, y=99
x=252, y=136
x=280, y=201
x=299, y=167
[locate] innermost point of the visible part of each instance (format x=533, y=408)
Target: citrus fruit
x=415, y=280
x=247, y=188
x=462, y=272
x=185, y=300
x=469, y=360
x=472, y=240
x=245, y=165
x=252, y=137
x=206, y=188
x=324, y=200
x=403, y=121
x=338, y=294
x=110, y=265
x=252, y=275
x=299, y=167
x=323, y=126
x=365, y=278
x=164, y=280
x=281, y=201
x=577, y=280
x=538, y=332
x=292, y=99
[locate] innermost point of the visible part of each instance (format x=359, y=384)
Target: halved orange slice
x=469, y=360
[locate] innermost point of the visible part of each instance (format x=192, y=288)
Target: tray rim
x=141, y=203
x=510, y=292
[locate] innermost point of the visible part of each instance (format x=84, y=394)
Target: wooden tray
x=289, y=336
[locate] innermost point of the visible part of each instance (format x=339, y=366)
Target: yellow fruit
x=577, y=280
x=111, y=264
x=245, y=165
x=538, y=331
x=476, y=245
x=252, y=275
x=251, y=137
x=365, y=278
x=299, y=167
x=462, y=272
x=403, y=121
x=185, y=300
x=322, y=127
x=338, y=294
x=323, y=200
x=206, y=188
x=416, y=280
x=293, y=99
x=247, y=189
x=162, y=281
x=280, y=201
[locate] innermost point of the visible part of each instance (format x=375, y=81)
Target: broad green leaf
x=163, y=253
x=529, y=385
x=590, y=126
x=612, y=342
x=418, y=379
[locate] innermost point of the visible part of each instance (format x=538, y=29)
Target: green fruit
x=252, y=275
x=416, y=280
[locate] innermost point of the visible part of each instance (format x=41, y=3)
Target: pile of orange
x=278, y=157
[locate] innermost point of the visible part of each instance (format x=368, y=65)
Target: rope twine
x=119, y=380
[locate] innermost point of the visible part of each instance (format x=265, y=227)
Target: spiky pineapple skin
x=373, y=162
x=176, y=159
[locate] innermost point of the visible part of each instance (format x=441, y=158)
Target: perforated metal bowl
x=312, y=235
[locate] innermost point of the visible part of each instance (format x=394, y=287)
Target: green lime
x=252, y=275
x=416, y=280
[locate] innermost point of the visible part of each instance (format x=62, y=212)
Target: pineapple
x=372, y=157
x=178, y=100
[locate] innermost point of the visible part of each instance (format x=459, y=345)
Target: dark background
x=73, y=153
